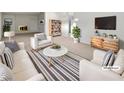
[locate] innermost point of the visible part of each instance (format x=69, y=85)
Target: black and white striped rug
x=59, y=71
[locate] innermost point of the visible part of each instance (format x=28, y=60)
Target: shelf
x=54, y=27
x=25, y=32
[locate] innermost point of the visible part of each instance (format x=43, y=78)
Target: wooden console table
x=105, y=43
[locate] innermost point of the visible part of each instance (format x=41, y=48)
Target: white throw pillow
x=119, y=62
x=40, y=36
x=5, y=73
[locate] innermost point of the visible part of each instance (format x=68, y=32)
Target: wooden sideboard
x=105, y=43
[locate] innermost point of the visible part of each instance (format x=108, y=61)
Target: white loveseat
x=93, y=71
x=43, y=42
x=23, y=67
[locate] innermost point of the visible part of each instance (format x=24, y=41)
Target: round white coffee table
x=54, y=53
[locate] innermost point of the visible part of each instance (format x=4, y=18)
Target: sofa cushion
x=96, y=62
x=119, y=62
x=5, y=73
x=93, y=72
x=44, y=42
x=25, y=74
x=13, y=46
x=22, y=62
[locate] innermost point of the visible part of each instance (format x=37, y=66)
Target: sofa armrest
x=90, y=71
x=21, y=45
x=34, y=42
x=38, y=77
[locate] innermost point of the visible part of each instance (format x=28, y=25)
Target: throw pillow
x=7, y=58
x=112, y=59
x=40, y=37
x=2, y=47
x=13, y=46
x=5, y=73
x=107, y=58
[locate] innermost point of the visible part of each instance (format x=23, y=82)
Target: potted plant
x=6, y=28
x=76, y=34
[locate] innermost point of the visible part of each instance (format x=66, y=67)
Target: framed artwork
x=8, y=21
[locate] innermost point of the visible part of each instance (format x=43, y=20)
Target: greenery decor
x=56, y=46
x=76, y=32
x=6, y=28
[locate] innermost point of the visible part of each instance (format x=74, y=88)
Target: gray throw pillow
x=13, y=46
x=106, y=58
x=7, y=58
x=112, y=59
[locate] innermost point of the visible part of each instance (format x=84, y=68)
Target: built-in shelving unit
x=54, y=27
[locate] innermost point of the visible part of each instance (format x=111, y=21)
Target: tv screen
x=105, y=23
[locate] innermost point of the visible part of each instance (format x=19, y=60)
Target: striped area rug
x=59, y=70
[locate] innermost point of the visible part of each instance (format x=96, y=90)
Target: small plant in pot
x=55, y=46
x=6, y=28
x=76, y=34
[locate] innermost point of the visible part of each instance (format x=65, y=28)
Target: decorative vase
x=76, y=40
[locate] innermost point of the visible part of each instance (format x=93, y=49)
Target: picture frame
x=8, y=21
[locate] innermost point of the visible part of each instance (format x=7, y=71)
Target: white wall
x=41, y=25
x=58, y=16
x=29, y=19
x=0, y=25
x=86, y=23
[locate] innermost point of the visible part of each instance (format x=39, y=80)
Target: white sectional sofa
x=23, y=67
x=92, y=70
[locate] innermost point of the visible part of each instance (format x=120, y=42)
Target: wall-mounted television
x=105, y=23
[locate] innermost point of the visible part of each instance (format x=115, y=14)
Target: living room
x=61, y=46
x=28, y=26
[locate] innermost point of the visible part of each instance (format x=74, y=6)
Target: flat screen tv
x=105, y=23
